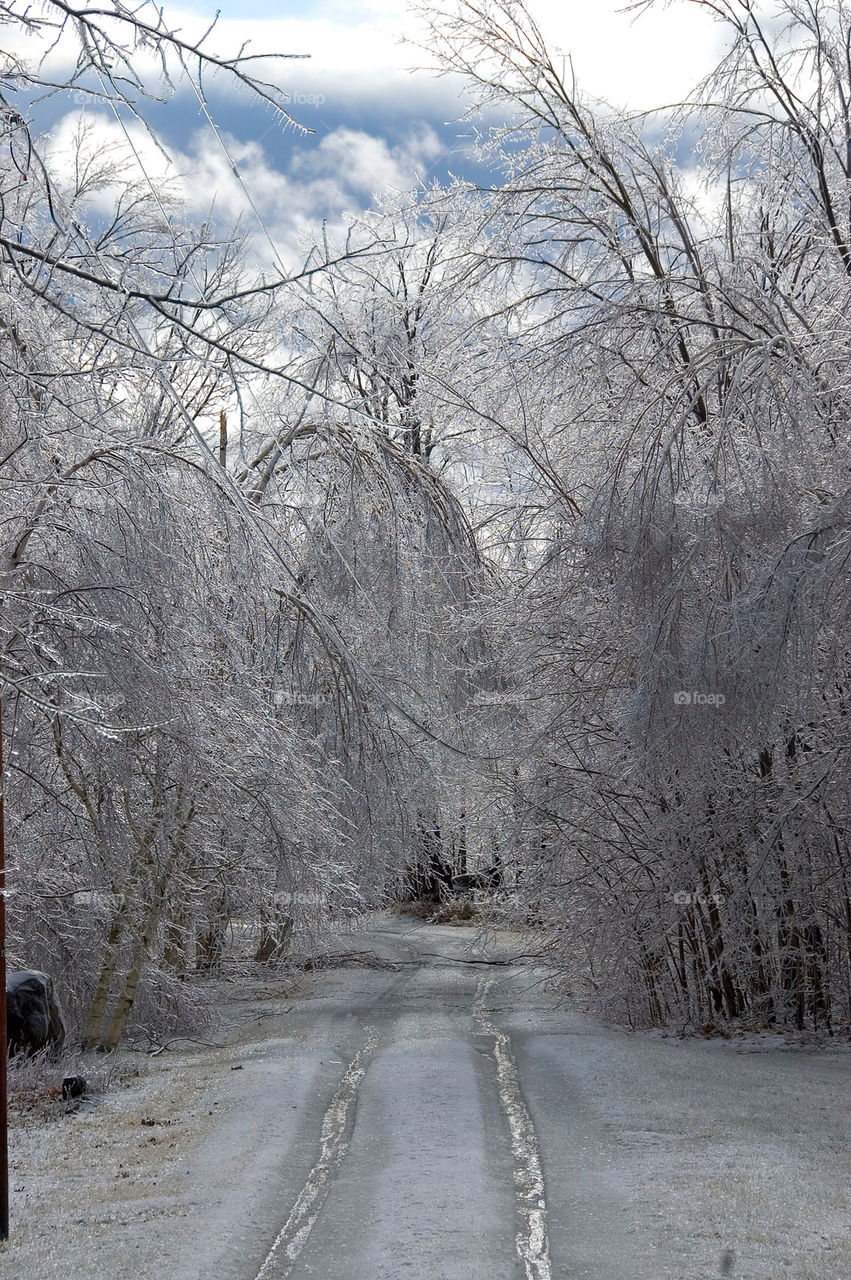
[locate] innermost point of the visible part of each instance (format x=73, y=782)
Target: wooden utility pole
x=223, y=438
x=4, y=1102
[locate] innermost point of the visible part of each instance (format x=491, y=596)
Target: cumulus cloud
x=235, y=180
x=369, y=165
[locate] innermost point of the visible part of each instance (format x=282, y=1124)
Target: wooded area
x=510, y=534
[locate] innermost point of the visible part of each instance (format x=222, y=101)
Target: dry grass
x=35, y=1083
x=456, y=911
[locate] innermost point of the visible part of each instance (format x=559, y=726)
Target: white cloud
x=356, y=49
x=635, y=60
x=367, y=164
x=86, y=149
x=632, y=60
x=332, y=181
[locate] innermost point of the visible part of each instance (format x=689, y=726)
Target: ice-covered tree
x=684, y=619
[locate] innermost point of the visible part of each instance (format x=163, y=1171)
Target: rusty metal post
x=4, y=1104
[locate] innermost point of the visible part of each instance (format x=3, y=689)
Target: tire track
x=529, y=1193
x=336, y=1133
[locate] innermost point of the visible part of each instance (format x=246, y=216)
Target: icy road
x=444, y=1119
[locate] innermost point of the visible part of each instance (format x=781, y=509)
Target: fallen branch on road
x=524, y=955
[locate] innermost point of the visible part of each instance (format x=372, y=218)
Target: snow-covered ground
x=444, y=1119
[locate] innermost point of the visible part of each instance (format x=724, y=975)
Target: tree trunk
x=275, y=938
x=108, y=969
